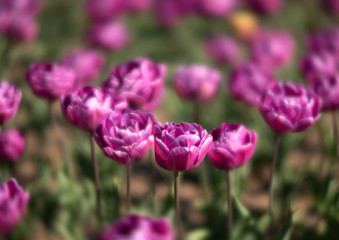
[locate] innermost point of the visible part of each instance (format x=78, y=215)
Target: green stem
x=177, y=206
x=128, y=187
x=229, y=205
x=274, y=163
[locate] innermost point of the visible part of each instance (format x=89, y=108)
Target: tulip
x=85, y=108
x=324, y=41
x=13, y=202
x=287, y=107
x=5, y=19
x=216, y=8
x=248, y=81
x=196, y=82
x=135, y=227
x=126, y=138
x=138, y=5
x=180, y=147
x=272, y=49
x=109, y=35
x=104, y=9
x=221, y=49
x=332, y=6
x=87, y=65
x=12, y=144
x=140, y=81
x=10, y=98
x=265, y=6
x=23, y=28
x=50, y=80
x=233, y=146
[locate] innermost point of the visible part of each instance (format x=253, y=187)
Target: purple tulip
x=180, y=146
x=324, y=41
x=87, y=65
x=222, y=49
x=50, y=80
x=10, y=98
x=248, y=81
x=138, y=5
x=272, y=49
x=289, y=107
x=216, y=8
x=233, y=146
x=109, y=35
x=23, y=28
x=127, y=137
x=5, y=20
x=140, y=81
x=104, y=9
x=135, y=227
x=317, y=65
x=13, y=202
x=86, y=107
x=265, y=6
x=23, y=7
x=332, y=5
x=196, y=82
x=12, y=144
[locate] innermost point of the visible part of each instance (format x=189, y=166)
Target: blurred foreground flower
x=216, y=8
x=86, y=63
x=248, y=81
x=140, y=81
x=12, y=145
x=222, y=49
x=272, y=49
x=103, y=10
x=266, y=6
x=109, y=35
x=135, y=227
x=324, y=41
x=196, y=82
x=50, y=80
x=10, y=98
x=13, y=202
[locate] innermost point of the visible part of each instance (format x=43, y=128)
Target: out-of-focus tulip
x=135, y=227
x=109, y=35
x=12, y=145
x=332, y=5
x=222, y=49
x=245, y=24
x=10, y=98
x=216, y=8
x=318, y=65
x=13, y=202
x=87, y=65
x=272, y=49
x=289, y=107
x=248, y=81
x=196, y=82
x=180, y=146
x=266, y=6
x=138, y=5
x=23, y=28
x=233, y=146
x=105, y=9
x=50, y=80
x=86, y=107
x=140, y=81
x=324, y=41
x=127, y=137
x=5, y=19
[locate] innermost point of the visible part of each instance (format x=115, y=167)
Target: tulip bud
x=10, y=98
x=12, y=144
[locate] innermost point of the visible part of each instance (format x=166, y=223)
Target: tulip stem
x=96, y=178
x=128, y=187
x=274, y=163
x=176, y=202
x=335, y=133
x=229, y=205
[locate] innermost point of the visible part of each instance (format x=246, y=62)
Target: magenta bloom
x=216, y=8
x=140, y=81
x=13, y=202
x=289, y=107
x=332, y=5
x=12, y=145
x=127, y=137
x=180, y=146
x=266, y=6
x=324, y=41
x=10, y=98
x=138, y=5
x=109, y=35
x=233, y=146
x=23, y=28
x=135, y=227
x=221, y=49
x=87, y=65
x=50, y=80
x=5, y=19
x=272, y=49
x=248, y=81
x=196, y=82
x=318, y=65
x=104, y=9
x=86, y=107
